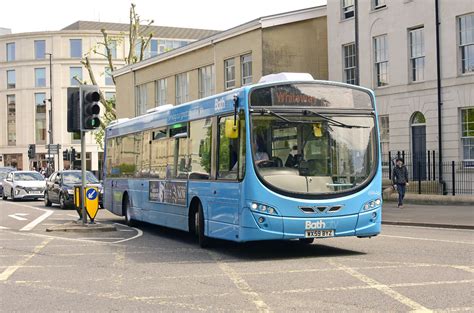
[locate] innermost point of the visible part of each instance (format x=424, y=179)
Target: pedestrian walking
x=400, y=180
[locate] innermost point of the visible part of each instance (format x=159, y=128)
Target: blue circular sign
x=91, y=194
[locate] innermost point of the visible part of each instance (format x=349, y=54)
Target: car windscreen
x=28, y=176
x=75, y=178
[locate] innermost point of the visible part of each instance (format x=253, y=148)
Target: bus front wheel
x=199, y=226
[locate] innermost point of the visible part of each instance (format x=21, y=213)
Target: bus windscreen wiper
x=281, y=117
x=332, y=121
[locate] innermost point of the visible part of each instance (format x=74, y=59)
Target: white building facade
x=397, y=57
x=25, y=85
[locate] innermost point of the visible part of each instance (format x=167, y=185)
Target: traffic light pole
x=83, y=174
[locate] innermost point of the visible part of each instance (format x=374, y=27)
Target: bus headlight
x=263, y=208
x=372, y=204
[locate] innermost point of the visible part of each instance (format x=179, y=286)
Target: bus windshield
x=306, y=152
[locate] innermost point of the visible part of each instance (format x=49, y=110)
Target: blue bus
x=287, y=158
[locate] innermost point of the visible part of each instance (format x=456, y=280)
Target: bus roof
x=201, y=108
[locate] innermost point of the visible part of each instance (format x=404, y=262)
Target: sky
x=46, y=15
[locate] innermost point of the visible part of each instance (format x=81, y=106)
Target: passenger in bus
x=260, y=153
x=293, y=158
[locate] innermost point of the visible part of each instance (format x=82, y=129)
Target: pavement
x=428, y=215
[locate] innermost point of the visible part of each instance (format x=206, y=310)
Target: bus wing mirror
x=231, y=129
x=317, y=130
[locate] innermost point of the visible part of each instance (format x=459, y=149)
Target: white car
x=23, y=185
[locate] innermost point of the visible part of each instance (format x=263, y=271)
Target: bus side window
x=200, y=143
x=159, y=153
x=229, y=152
x=144, y=169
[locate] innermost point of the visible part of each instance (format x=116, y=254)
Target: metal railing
x=457, y=177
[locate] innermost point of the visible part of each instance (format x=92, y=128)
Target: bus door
x=225, y=204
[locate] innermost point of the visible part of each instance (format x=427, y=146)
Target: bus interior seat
x=277, y=161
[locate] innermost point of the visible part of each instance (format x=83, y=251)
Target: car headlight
x=263, y=208
x=372, y=204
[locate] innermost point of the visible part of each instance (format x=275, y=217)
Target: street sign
x=53, y=149
x=92, y=201
x=91, y=196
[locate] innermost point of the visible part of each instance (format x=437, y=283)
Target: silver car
x=23, y=185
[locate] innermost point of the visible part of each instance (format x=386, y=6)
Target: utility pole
x=356, y=30
x=50, y=113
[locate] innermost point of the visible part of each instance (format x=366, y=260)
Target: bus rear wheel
x=199, y=227
x=126, y=211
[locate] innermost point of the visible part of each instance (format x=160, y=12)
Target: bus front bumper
x=257, y=226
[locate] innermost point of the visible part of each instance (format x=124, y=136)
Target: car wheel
x=12, y=195
x=46, y=200
x=203, y=240
x=306, y=241
x=62, y=202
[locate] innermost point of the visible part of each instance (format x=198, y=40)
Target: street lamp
x=50, y=112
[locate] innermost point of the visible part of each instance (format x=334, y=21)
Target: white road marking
x=19, y=216
x=1, y=227
x=12, y=269
x=34, y=223
x=139, y=234
x=241, y=284
x=38, y=220
x=99, y=238
x=382, y=288
x=428, y=239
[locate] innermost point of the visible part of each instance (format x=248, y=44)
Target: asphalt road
x=153, y=269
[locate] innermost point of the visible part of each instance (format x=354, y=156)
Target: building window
x=347, y=9
x=246, y=68
x=207, y=77
x=467, y=133
x=40, y=77
x=75, y=75
x=160, y=91
x=108, y=77
x=40, y=119
x=417, y=54
x=75, y=48
x=138, y=49
x=153, y=47
x=113, y=48
x=349, y=55
x=381, y=60
x=182, y=92
x=11, y=120
x=40, y=49
x=11, y=52
x=466, y=43
x=140, y=100
x=110, y=96
x=384, y=127
x=229, y=73
x=11, y=79
x=378, y=4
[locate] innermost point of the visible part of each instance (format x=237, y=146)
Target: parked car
x=23, y=185
x=3, y=174
x=60, y=187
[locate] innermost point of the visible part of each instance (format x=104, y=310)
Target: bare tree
x=138, y=36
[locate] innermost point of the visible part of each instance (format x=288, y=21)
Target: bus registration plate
x=319, y=233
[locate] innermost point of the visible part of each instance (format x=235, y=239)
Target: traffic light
x=73, y=110
x=65, y=155
x=90, y=107
x=73, y=155
x=31, y=151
